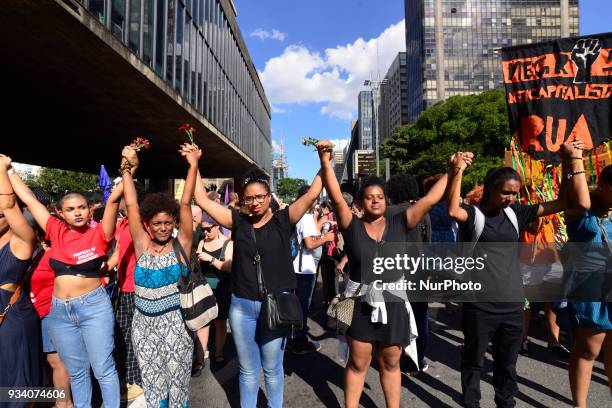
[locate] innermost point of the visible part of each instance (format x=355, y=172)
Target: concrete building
x=365, y=121
x=83, y=78
x=394, y=98
x=451, y=44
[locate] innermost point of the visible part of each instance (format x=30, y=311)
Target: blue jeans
x=305, y=287
x=81, y=329
x=256, y=349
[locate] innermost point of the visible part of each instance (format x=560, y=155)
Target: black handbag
x=280, y=312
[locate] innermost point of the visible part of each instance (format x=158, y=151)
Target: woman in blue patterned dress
x=592, y=319
x=161, y=340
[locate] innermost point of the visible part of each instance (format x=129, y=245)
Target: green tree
x=476, y=123
x=56, y=180
x=288, y=188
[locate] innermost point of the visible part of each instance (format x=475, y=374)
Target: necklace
x=157, y=251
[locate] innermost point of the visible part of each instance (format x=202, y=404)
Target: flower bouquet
x=310, y=141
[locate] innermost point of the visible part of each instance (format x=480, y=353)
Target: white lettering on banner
x=85, y=255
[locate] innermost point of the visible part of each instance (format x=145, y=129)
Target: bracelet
x=578, y=172
x=7, y=193
x=576, y=158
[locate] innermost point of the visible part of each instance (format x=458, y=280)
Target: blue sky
x=314, y=55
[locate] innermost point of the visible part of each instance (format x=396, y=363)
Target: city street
x=315, y=380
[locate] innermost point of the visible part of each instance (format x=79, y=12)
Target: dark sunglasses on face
x=208, y=229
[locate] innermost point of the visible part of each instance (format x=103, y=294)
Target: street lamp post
x=375, y=87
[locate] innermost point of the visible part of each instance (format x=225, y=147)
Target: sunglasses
x=209, y=229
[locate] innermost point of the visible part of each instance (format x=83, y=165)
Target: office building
x=365, y=121
x=394, y=98
x=464, y=36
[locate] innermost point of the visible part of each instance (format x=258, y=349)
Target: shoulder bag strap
x=511, y=215
x=261, y=286
x=178, y=251
x=223, y=247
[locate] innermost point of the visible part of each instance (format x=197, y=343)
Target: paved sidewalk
x=315, y=380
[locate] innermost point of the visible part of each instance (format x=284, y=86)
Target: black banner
x=559, y=91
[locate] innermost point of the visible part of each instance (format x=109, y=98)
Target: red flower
x=140, y=143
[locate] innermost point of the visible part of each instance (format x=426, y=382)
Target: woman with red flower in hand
x=81, y=321
x=267, y=234
x=162, y=344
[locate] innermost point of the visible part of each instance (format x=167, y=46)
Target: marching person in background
x=308, y=239
x=20, y=348
x=385, y=329
x=328, y=262
x=403, y=192
x=81, y=321
x=501, y=322
x=162, y=343
x=214, y=252
x=257, y=347
x=592, y=320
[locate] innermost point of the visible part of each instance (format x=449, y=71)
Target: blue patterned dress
x=592, y=315
x=161, y=340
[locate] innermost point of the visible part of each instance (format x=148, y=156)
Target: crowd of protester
x=87, y=290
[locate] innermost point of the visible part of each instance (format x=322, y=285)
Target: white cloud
x=276, y=147
x=334, y=78
x=278, y=109
x=339, y=144
x=265, y=34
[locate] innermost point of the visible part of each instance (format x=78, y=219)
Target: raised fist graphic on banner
x=584, y=54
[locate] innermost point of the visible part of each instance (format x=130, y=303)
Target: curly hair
x=403, y=187
x=156, y=203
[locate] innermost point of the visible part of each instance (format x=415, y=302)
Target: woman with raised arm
x=259, y=348
x=162, y=343
x=20, y=345
x=592, y=319
x=388, y=327
x=503, y=219
x=81, y=321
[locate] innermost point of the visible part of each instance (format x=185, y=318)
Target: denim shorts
x=48, y=346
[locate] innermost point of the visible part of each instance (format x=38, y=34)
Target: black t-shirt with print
x=501, y=266
x=273, y=245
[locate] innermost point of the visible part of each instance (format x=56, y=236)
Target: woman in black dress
x=20, y=341
x=388, y=327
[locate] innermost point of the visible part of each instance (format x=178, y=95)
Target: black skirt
x=223, y=294
x=396, y=331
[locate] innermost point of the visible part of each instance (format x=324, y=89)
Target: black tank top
x=208, y=269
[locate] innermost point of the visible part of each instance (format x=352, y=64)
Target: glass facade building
x=470, y=33
x=366, y=130
x=394, y=98
x=195, y=46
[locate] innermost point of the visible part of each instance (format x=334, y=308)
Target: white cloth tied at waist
x=374, y=298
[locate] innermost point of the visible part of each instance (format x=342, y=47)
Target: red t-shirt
x=127, y=257
x=42, y=286
x=76, y=247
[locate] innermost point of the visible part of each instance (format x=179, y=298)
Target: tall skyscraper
x=463, y=36
x=394, y=98
x=366, y=129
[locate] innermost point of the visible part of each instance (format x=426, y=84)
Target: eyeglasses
x=259, y=198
